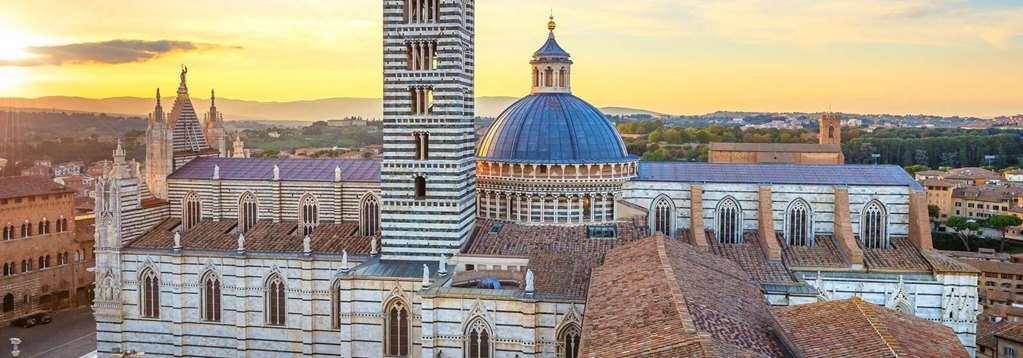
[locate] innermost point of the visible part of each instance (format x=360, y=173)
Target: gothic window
x=191, y=210
x=8, y=269
x=248, y=211
x=397, y=328
x=42, y=262
x=568, y=341
x=729, y=221
x=310, y=213
x=421, y=100
x=799, y=224
x=8, y=232
x=8, y=302
x=276, y=302
x=548, y=77
x=44, y=227
x=26, y=265
x=369, y=220
x=477, y=340
x=662, y=216
x=874, y=226
x=149, y=295
x=211, y=297
x=421, y=10
x=420, y=188
x=26, y=229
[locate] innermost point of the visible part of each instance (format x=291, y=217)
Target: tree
x=1002, y=223
x=933, y=211
x=913, y=169
x=962, y=228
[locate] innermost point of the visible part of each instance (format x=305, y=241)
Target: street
x=72, y=334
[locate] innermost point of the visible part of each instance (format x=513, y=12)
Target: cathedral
x=545, y=238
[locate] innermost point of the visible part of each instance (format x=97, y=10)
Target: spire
x=213, y=99
x=158, y=97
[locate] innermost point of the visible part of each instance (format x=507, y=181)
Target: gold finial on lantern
x=551, y=24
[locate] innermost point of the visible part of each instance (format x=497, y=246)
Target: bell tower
x=830, y=129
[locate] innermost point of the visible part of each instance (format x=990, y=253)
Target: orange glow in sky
x=673, y=56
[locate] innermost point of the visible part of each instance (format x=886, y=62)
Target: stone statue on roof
x=426, y=276
x=307, y=246
x=241, y=242
x=177, y=239
x=529, y=281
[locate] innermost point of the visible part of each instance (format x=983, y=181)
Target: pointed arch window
x=568, y=341
x=729, y=221
x=149, y=295
x=26, y=229
x=248, y=211
x=478, y=340
x=211, y=309
x=191, y=210
x=874, y=226
x=8, y=232
x=662, y=216
x=369, y=218
x=310, y=210
x=276, y=301
x=397, y=329
x=799, y=224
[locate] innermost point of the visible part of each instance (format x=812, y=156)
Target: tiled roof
x=942, y=263
x=662, y=297
x=266, y=236
x=561, y=257
x=777, y=147
x=972, y=173
x=821, y=174
x=995, y=266
x=901, y=256
x=750, y=256
x=987, y=193
x=22, y=186
x=856, y=328
x=986, y=329
x=823, y=253
x=321, y=170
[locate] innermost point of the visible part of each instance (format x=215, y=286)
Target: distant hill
x=233, y=109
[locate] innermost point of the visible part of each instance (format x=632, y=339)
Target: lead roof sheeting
x=291, y=169
x=886, y=175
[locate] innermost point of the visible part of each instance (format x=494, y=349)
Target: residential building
x=43, y=250
x=939, y=193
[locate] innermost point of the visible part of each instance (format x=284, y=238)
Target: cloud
x=108, y=52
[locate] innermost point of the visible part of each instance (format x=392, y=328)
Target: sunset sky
x=674, y=56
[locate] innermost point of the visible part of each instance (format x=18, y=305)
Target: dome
x=552, y=128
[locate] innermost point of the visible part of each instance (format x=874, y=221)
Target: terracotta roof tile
x=750, y=256
x=901, y=256
x=266, y=236
x=856, y=328
x=21, y=186
x=822, y=254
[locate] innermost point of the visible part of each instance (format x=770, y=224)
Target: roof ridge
x=680, y=302
x=874, y=321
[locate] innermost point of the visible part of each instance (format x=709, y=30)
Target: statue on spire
x=184, y=71
x=183, y=88
x=157, y=96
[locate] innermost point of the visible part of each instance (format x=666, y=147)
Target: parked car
x=33, y=319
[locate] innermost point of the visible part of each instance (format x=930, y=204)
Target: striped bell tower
x=428, y=177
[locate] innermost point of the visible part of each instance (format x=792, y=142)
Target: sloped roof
x=663, y=297
x=856, y=328
x=777, y=147
x=821, y=174
x=266, y=236
x=22, y=186
x=318, y=170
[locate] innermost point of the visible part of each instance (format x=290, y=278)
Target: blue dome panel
x=552, y=128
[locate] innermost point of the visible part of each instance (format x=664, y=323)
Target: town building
x=1004, y=341
x=980, y=202
x=928, y=175
x=939, y=194
x=972, y=176
x=348, y=122
x=440, y=250
x=43, y=250
x=827, y=151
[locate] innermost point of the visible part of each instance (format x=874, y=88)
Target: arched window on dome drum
x=563, y=77
x=477, y=340
x=548, y=77
x=275, y=301
x=587, y=208
x=310, y=210
x=397, y=329
x=211, y=297
x=663, y=216
x=799, y=224
x=874, y=226
x=369, y=220
x=420, y=188
x=149, y=294
x=191, y=210
x=729, y=221
x=248, y=211
x=568, y=341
